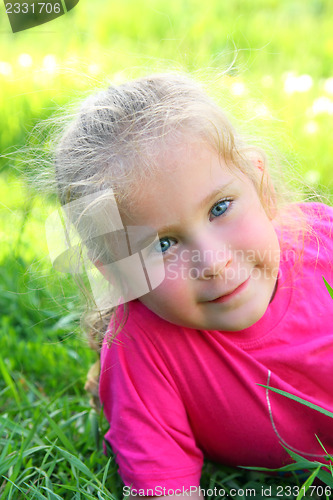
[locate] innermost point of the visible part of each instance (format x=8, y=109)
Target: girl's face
x=220, y=250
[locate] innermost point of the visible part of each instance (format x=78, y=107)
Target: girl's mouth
x=227, y=296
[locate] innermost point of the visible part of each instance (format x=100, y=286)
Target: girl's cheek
x=174, y=275
x=170, y=293
x=251, y=230
x=175, y=280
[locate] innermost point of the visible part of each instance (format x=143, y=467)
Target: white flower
x=305, y=83
x=262, y=110
x=322, y=105
x=312, y=176
x=94, y=69
x=5, y=68
x=238, y=88
x=50, y=63
x=311, y=127
x=328, y=85
x=25, y=60
x=293, y=83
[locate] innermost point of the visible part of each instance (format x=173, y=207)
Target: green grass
x=51, y=441
x=268, y=39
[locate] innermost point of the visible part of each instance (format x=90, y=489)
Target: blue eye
x=163, y=245
x=220, y=207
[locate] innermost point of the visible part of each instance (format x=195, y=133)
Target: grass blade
x=306, y=485
x=9, y=381
x=59, y=432
x=76, y=462
x=299, y=400
x=329, y=288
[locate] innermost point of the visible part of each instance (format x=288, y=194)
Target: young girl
x=228, y=298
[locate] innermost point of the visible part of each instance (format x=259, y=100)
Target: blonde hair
x=115, y=139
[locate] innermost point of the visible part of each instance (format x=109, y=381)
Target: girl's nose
x=214, y=259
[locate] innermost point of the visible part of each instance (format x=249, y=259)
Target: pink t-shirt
x=175, y=395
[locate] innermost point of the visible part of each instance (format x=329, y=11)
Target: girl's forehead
x=184, y=177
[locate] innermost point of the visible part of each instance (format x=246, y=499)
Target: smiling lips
x=227, y=296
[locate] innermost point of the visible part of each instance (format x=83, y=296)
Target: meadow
x=270, y=64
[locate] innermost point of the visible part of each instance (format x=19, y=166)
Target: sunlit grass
x=280, y=86
x=267, y=40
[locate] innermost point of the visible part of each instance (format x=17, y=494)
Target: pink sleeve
x=149, y=429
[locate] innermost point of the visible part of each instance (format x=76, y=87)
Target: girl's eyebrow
x=220, y=190
x=202, y=204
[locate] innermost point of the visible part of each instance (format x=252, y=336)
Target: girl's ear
x=259, y=163
x=267, y=192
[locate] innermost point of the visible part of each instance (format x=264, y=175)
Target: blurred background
x=274, y=61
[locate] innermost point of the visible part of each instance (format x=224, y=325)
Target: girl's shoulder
x=313, y=211
x=145, y=343
x=317, y=236
x=319, y=218
x=139, y=325
x=308, y=220
x=317, y=210
x=305, y=233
